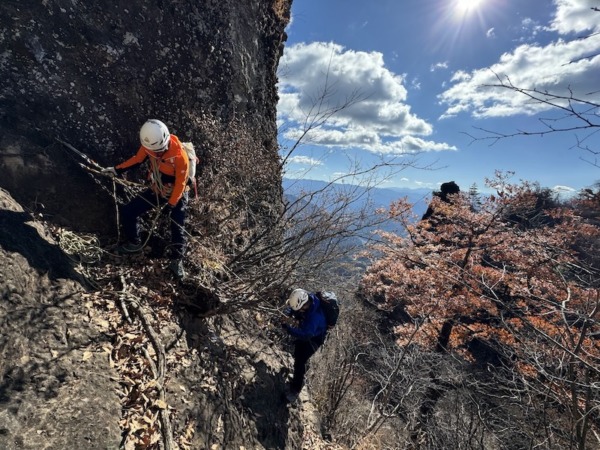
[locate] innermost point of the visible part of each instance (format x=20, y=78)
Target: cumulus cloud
x=372, y=111
x=368, y=140
x=561, y=67
x=574, y=16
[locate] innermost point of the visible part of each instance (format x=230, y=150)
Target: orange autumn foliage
x=513, y=273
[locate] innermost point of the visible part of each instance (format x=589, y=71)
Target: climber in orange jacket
x=168, y=174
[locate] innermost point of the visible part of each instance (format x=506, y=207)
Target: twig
x=158, y=368
x=122, y=300
x=124, y=308
x=151, y=362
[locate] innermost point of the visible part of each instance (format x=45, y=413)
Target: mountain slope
x=373, y=197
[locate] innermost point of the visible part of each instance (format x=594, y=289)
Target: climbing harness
x=94, y=168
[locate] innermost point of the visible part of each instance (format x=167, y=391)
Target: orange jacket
x=172, y=164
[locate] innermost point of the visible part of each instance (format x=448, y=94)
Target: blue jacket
x=312, y=322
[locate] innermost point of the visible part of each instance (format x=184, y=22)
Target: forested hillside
x=495, y=313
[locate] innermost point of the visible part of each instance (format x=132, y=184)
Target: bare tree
x=574, y=114
x=531, y=302
x=267, y=241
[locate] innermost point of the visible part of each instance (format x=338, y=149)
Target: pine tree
x=475, y=197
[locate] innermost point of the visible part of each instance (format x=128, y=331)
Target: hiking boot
x=176, y=266
x=130, y=247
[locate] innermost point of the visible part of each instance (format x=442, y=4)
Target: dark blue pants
x=303, y=350
x=143, y=203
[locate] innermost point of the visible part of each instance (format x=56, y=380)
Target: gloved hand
x=288, y=311
x=109, y=171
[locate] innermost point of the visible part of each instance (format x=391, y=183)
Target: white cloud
x=415, y=84
x=530, y=30
x=561, y=67
x=367, y=140
x=381, y=122
x=460, y=75
x=426, y=184
x=305, y=160
x=575, y=16
x=490, y=33
x=437, y=66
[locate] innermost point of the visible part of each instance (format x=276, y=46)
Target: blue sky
x=417, y=70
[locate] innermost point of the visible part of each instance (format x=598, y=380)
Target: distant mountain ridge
x=376, y=197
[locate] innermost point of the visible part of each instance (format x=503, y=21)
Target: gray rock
x=90, y=73
x=51, y=397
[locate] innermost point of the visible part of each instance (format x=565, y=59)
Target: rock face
x=61, y=362
x=90, y=73
x=51, y=378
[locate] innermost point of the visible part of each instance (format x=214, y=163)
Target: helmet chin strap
x=157, y=153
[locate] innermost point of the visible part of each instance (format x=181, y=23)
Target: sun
x=460, y=18
x=465, y=7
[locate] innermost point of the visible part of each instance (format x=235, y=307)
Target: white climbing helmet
x=154, y=135
x=298, y=298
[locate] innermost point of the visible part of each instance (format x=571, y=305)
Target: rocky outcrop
x=74, y=371
x=54, y=393
x=91, y=73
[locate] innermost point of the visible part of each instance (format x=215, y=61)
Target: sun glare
x=465, y=7
x=460, y=18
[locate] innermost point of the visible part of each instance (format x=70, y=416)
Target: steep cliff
x=51, y=396
x=124, y=364
x=90, y=73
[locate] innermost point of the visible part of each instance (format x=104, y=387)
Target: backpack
x=330, y=306
x=194, y=160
